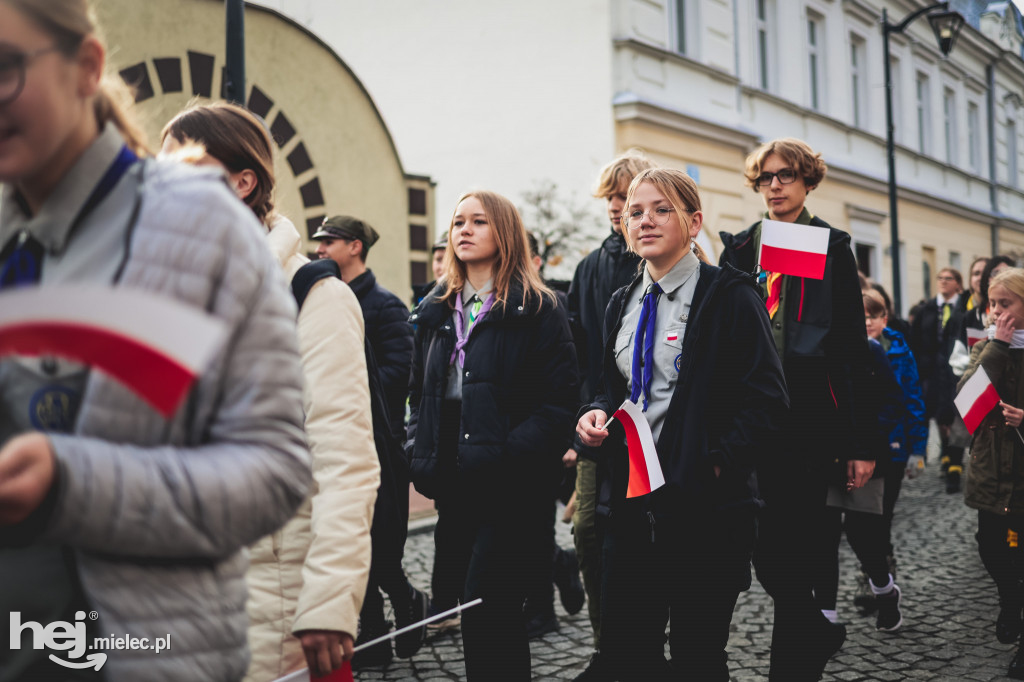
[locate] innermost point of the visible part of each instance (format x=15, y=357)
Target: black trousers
x=485, y=551
x=690, y=575
x=997, y=533
x=790, y=537
x=867, y=536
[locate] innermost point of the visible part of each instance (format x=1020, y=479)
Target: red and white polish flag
x=976, y=399
x=975, y=335
x=645, y=474
x=792, y=249
x=155, y=346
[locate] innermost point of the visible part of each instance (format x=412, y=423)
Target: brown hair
x=956, y=275
x=680, y=190
x=70, y=22
x=619, y=173
x=1012, y=279
x=797, y=153
x=513, y=260
x=235, y=137
x=873, y=304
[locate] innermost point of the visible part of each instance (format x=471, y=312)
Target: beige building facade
x=334, y=152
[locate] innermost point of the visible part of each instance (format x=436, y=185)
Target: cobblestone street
x=949, y=608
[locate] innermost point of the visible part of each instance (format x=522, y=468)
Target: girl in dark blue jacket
x=493, y=388
x=705, y=373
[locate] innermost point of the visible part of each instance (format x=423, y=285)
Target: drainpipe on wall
x=990, y=77
x=234, y=73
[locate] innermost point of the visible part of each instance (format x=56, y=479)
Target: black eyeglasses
x=786, y=176
x=12, y=71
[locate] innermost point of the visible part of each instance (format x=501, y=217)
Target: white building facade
x=501, y=95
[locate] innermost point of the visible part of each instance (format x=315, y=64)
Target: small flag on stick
x=975, y=335
x=792, y=249
x=154, y=345
x=976, y=399
x=645, y=474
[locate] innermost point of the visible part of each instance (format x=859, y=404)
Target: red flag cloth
x=342, y=674
x=645, y=474
x=154, y=345
x=793, y=249
x=975, y=335
x=976, y=399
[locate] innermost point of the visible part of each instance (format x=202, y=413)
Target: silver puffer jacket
x=157, y=511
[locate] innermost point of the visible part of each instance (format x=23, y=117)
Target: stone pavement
x=949, y=608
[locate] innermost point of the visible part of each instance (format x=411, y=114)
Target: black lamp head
x=946, y=26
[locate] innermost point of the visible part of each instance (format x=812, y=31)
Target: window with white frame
x=858, y=80
x=924, y=113
x=949, y=124
x=974, y=136
x=816, y=59
x=764, y=29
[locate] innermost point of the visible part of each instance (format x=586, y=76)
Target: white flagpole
x=408, y=628
x=304, y=676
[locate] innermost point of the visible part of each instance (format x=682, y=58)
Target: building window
x=949, y=124
x=956, y=261
x=418, y=272
x=418, y=237
x=924, y=114
x=858, y=77
x=764, y=28
x=815, y=60
x=681, y=25
x=865, y=258
x=417, y=201
x=974, y=137
x=1011, y=152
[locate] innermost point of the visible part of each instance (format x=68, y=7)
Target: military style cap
x=347, y=227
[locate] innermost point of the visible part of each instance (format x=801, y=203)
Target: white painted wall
x=482, y=93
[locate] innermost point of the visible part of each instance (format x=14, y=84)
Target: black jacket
x=519, y=390
x=598, y=276
x=729, y=400
x=825, y=354
x=932, y=345
x=390, y=335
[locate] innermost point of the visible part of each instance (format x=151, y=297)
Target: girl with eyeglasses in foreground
x=114, y=508
x=689, y=343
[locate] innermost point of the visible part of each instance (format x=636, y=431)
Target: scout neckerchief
x=22, y=256
x=464, y=327
x=643, y=342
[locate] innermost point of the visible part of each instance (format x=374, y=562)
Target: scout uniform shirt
x=673, y=314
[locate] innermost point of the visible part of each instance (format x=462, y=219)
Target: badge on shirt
x=52, y=409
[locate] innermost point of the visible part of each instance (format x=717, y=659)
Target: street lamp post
x=234, y=73
x=946, y=25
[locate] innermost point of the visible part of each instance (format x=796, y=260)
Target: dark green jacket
x=995, y=478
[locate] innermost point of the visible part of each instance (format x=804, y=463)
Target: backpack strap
x=311, y=273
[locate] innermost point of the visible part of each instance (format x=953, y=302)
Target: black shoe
x=1016, y=671
x=377, y=655
x=413, y=611
x=596, y=671
x=828, y=642
x=541, y=624
x=953, y=480
x=889, y=617
x=567, y=580
x=864, y=600
x=1009, y=624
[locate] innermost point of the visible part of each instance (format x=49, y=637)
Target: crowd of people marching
x=261, y=521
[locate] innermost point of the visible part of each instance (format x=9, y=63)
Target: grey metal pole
x=234, y=74
x=890, y=148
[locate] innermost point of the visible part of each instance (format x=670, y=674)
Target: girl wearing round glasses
x=819, y=333
x=493, y=388
x=114, y=508
x=690, y=344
